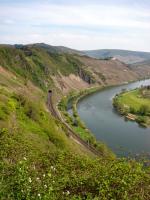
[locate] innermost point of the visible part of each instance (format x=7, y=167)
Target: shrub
x=141, y=119
x=144, y=110
x=133, y=110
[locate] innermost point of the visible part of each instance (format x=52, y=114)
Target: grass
x=38, y=160
x=39, y=65
x=133, y=102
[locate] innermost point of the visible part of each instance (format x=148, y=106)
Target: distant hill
x=141, y=68
x=126, y=56
x=143, y=63
x=55, y=49
x=63, y=67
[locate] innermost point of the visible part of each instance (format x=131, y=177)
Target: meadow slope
x=37, y=158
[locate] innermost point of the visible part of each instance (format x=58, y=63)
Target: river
x=123, y=137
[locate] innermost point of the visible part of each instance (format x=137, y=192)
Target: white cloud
x=79, y=15
x=8, y=21
x=78, y=26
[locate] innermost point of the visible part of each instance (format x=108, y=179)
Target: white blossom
x=24, y=158
x=39, y=195
x=30, y=180
x=53, y=168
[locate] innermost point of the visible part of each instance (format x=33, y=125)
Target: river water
x=123, y=137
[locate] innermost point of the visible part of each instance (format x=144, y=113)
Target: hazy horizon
x=81, y=25
x=71, y=47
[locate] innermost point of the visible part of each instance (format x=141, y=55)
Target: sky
x=78, y=24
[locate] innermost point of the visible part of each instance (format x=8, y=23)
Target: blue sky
x=84, y=24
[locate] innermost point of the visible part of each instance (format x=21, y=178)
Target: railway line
x=70, y=132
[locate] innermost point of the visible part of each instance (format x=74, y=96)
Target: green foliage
x=132, y=110
x=37, y=159
x=132, y=102
x=6, y=108
x=38, y=65
x=144, y=110
x=141, y=119
x=77, y=125
x=74, y=177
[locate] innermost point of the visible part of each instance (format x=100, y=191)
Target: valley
x=124, y=137
x=38, y=158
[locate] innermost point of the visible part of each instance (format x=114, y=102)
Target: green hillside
x=37, y=64
x=37, y=158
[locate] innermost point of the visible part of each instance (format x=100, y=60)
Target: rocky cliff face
x=108, y=72
x=64, y=71
x=86, y=76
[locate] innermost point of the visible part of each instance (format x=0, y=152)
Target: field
x=136, y=103
x=134, y=99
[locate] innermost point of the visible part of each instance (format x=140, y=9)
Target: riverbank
x=124, y=137
x=134, y=106
x=99, y=127
x=75, y=122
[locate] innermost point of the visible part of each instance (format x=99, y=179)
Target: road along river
x=123, y=137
